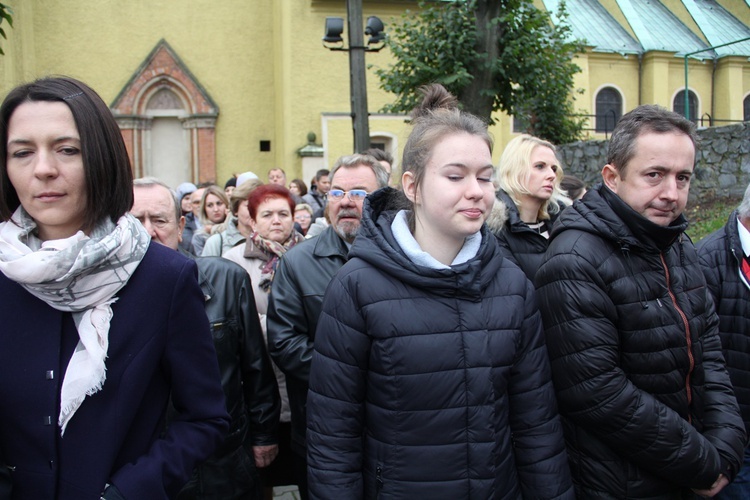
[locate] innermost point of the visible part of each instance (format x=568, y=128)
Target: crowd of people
x=463, y=330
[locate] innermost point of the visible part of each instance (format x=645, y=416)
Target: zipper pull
x=658, y=301
x=378, y=476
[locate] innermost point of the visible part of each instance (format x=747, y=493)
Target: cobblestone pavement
x=285, y=493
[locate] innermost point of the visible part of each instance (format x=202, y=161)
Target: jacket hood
x=500, y=213
x=605, y=214
x=508, y=217
x=376, y=245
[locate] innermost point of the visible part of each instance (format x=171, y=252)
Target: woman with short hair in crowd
x=236, y=227
x=213, y=212
x=270, y=208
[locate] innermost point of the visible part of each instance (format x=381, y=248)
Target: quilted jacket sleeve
x=593, y=391
x=335, y=403
x=539, y=448
x=713, y=254
x=711, y=260
x=722, y=423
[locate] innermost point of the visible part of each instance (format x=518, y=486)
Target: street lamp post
x=357, y=77
x=357, y=74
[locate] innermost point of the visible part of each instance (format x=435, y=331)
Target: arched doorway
x=169, y=143
x=168, y=121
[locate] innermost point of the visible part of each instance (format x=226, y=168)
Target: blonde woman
x=237, y=227
x=213, y=211
x=528, y=177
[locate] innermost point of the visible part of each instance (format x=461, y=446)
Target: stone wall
x=722, y=169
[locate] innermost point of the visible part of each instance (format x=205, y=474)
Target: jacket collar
x=733, y=235
x=377, y=246
x=513, y=217
x=603, y=213
x=206, y=288
x=651, y=234
x=329, y=244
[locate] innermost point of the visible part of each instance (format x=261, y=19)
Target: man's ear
x=181, y=226
x=409, y=186
x=611, y=177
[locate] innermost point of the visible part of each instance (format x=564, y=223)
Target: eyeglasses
x=354, y=194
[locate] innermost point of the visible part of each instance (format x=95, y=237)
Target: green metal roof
x=719, y=27
x=657, y=28
x=591, y=22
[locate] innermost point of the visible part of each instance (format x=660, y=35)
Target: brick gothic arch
x=134, y=111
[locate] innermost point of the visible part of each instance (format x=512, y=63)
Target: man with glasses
x=300, y=282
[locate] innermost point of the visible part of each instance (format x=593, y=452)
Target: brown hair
x=437, y=116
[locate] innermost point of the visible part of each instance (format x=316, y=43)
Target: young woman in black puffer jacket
x=430, y=376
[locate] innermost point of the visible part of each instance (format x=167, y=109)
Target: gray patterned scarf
x=80, y=274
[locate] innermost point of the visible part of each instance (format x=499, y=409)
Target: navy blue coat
x=159, y=344
x=430, y=383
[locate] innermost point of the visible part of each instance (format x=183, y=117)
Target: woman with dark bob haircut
x=100, y=327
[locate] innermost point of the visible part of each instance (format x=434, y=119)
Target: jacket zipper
x=691, y=359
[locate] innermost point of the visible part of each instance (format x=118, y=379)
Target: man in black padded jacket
x=724, y=257
x=647, y=406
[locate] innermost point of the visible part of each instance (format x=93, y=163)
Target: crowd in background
x=463, y=330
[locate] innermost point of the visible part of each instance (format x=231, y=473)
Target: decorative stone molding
x=199, y=122
x=164, y=86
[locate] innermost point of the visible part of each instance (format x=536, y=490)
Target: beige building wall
x=263, y=63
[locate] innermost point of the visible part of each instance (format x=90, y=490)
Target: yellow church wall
x=264, y=65
x=104, y=42
x=609, y=70
x=655, y=71
x=738, y=9
x=699, y=81
x=729, y=78
x=318, y=80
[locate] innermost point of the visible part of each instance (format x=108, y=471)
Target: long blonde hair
x=514, y=170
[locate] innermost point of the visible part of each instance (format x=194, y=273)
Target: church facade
x=203, y=90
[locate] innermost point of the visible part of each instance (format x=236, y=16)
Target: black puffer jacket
x=431, y=383
x=646, y=401
x=523, y=245
x=721, y=259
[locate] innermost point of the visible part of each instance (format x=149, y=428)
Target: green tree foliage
x=5, y=15
x=493, y=55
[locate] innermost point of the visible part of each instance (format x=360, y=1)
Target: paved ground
x=285, y=493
